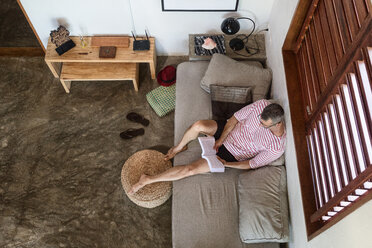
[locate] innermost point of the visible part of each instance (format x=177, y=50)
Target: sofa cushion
x=192, y=154
x=223, y=70
x=206, y=205
x=263, y=206
x=226, y=100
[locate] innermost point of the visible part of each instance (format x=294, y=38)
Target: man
x=253, y=137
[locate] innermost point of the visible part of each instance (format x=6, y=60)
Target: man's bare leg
x=172, y=174
x=208, y=127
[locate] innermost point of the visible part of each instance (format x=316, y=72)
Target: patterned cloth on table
x=162, y=99
x=199, y=41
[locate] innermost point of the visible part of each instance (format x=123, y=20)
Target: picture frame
x=200, y=6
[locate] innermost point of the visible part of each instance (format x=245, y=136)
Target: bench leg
x=152, y=69
x=66, y=85
x=55, y=68
x=136, y=78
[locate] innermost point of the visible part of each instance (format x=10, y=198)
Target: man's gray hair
x=274, y=112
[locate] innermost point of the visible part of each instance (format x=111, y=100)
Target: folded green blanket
x=162, y=99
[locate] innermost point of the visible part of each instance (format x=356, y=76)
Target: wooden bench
x=84, y=64
x=97, y=72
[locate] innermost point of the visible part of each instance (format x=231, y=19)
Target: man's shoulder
x=252, y=109
x=260, y=104
x=278, y=144
x=263, y=102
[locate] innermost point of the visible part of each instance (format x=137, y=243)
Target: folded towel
x=162, y=99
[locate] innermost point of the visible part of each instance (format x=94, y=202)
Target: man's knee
x=190, y=170
x=198, y=167
x=198, y=126
x=202, y=126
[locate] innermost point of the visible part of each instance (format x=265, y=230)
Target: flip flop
x=138, y=118
x=131, y=133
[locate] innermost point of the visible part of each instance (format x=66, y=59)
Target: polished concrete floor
x=61, y=158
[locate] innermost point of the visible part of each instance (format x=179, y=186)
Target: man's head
x=272, y=115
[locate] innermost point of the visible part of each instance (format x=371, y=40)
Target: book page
x=215, y=165
x=207, y=144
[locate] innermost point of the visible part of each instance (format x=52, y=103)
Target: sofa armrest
x=192, y=102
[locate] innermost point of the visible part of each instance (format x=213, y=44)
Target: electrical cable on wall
x=131, y=15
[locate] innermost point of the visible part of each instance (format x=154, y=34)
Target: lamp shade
x=230, y=26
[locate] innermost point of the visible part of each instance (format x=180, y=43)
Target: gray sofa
x=222, y=209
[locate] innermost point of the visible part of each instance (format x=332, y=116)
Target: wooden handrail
x=305, y=25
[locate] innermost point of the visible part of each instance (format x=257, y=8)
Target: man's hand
x=222, y=161
x=218, y=144
x=230, y=125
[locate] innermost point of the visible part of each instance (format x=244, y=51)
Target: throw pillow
x=226, y=100
x=162, y=99
x=223, y=70
x=263, y=205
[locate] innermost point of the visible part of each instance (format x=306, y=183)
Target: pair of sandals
x=134, y=132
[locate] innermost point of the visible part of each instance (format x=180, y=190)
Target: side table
x=84, y=64
x=253, y=41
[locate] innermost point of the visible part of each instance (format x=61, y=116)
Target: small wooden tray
x=117, y=41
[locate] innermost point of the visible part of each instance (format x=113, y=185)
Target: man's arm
x=231, y=123
x=242, y=165
x=261, y=159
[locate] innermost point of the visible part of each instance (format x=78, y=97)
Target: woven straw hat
x=149, y=162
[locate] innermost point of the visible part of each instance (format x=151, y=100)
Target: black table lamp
x=231, y=26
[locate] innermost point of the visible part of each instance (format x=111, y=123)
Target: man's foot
x=139, y=185
x=173, y=151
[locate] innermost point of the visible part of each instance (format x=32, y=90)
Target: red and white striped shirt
x=250, y=140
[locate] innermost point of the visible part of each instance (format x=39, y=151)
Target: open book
x=209, y=154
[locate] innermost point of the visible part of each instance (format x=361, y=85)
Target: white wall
x=82, y=17
x=353, y=230
x=171, y=29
